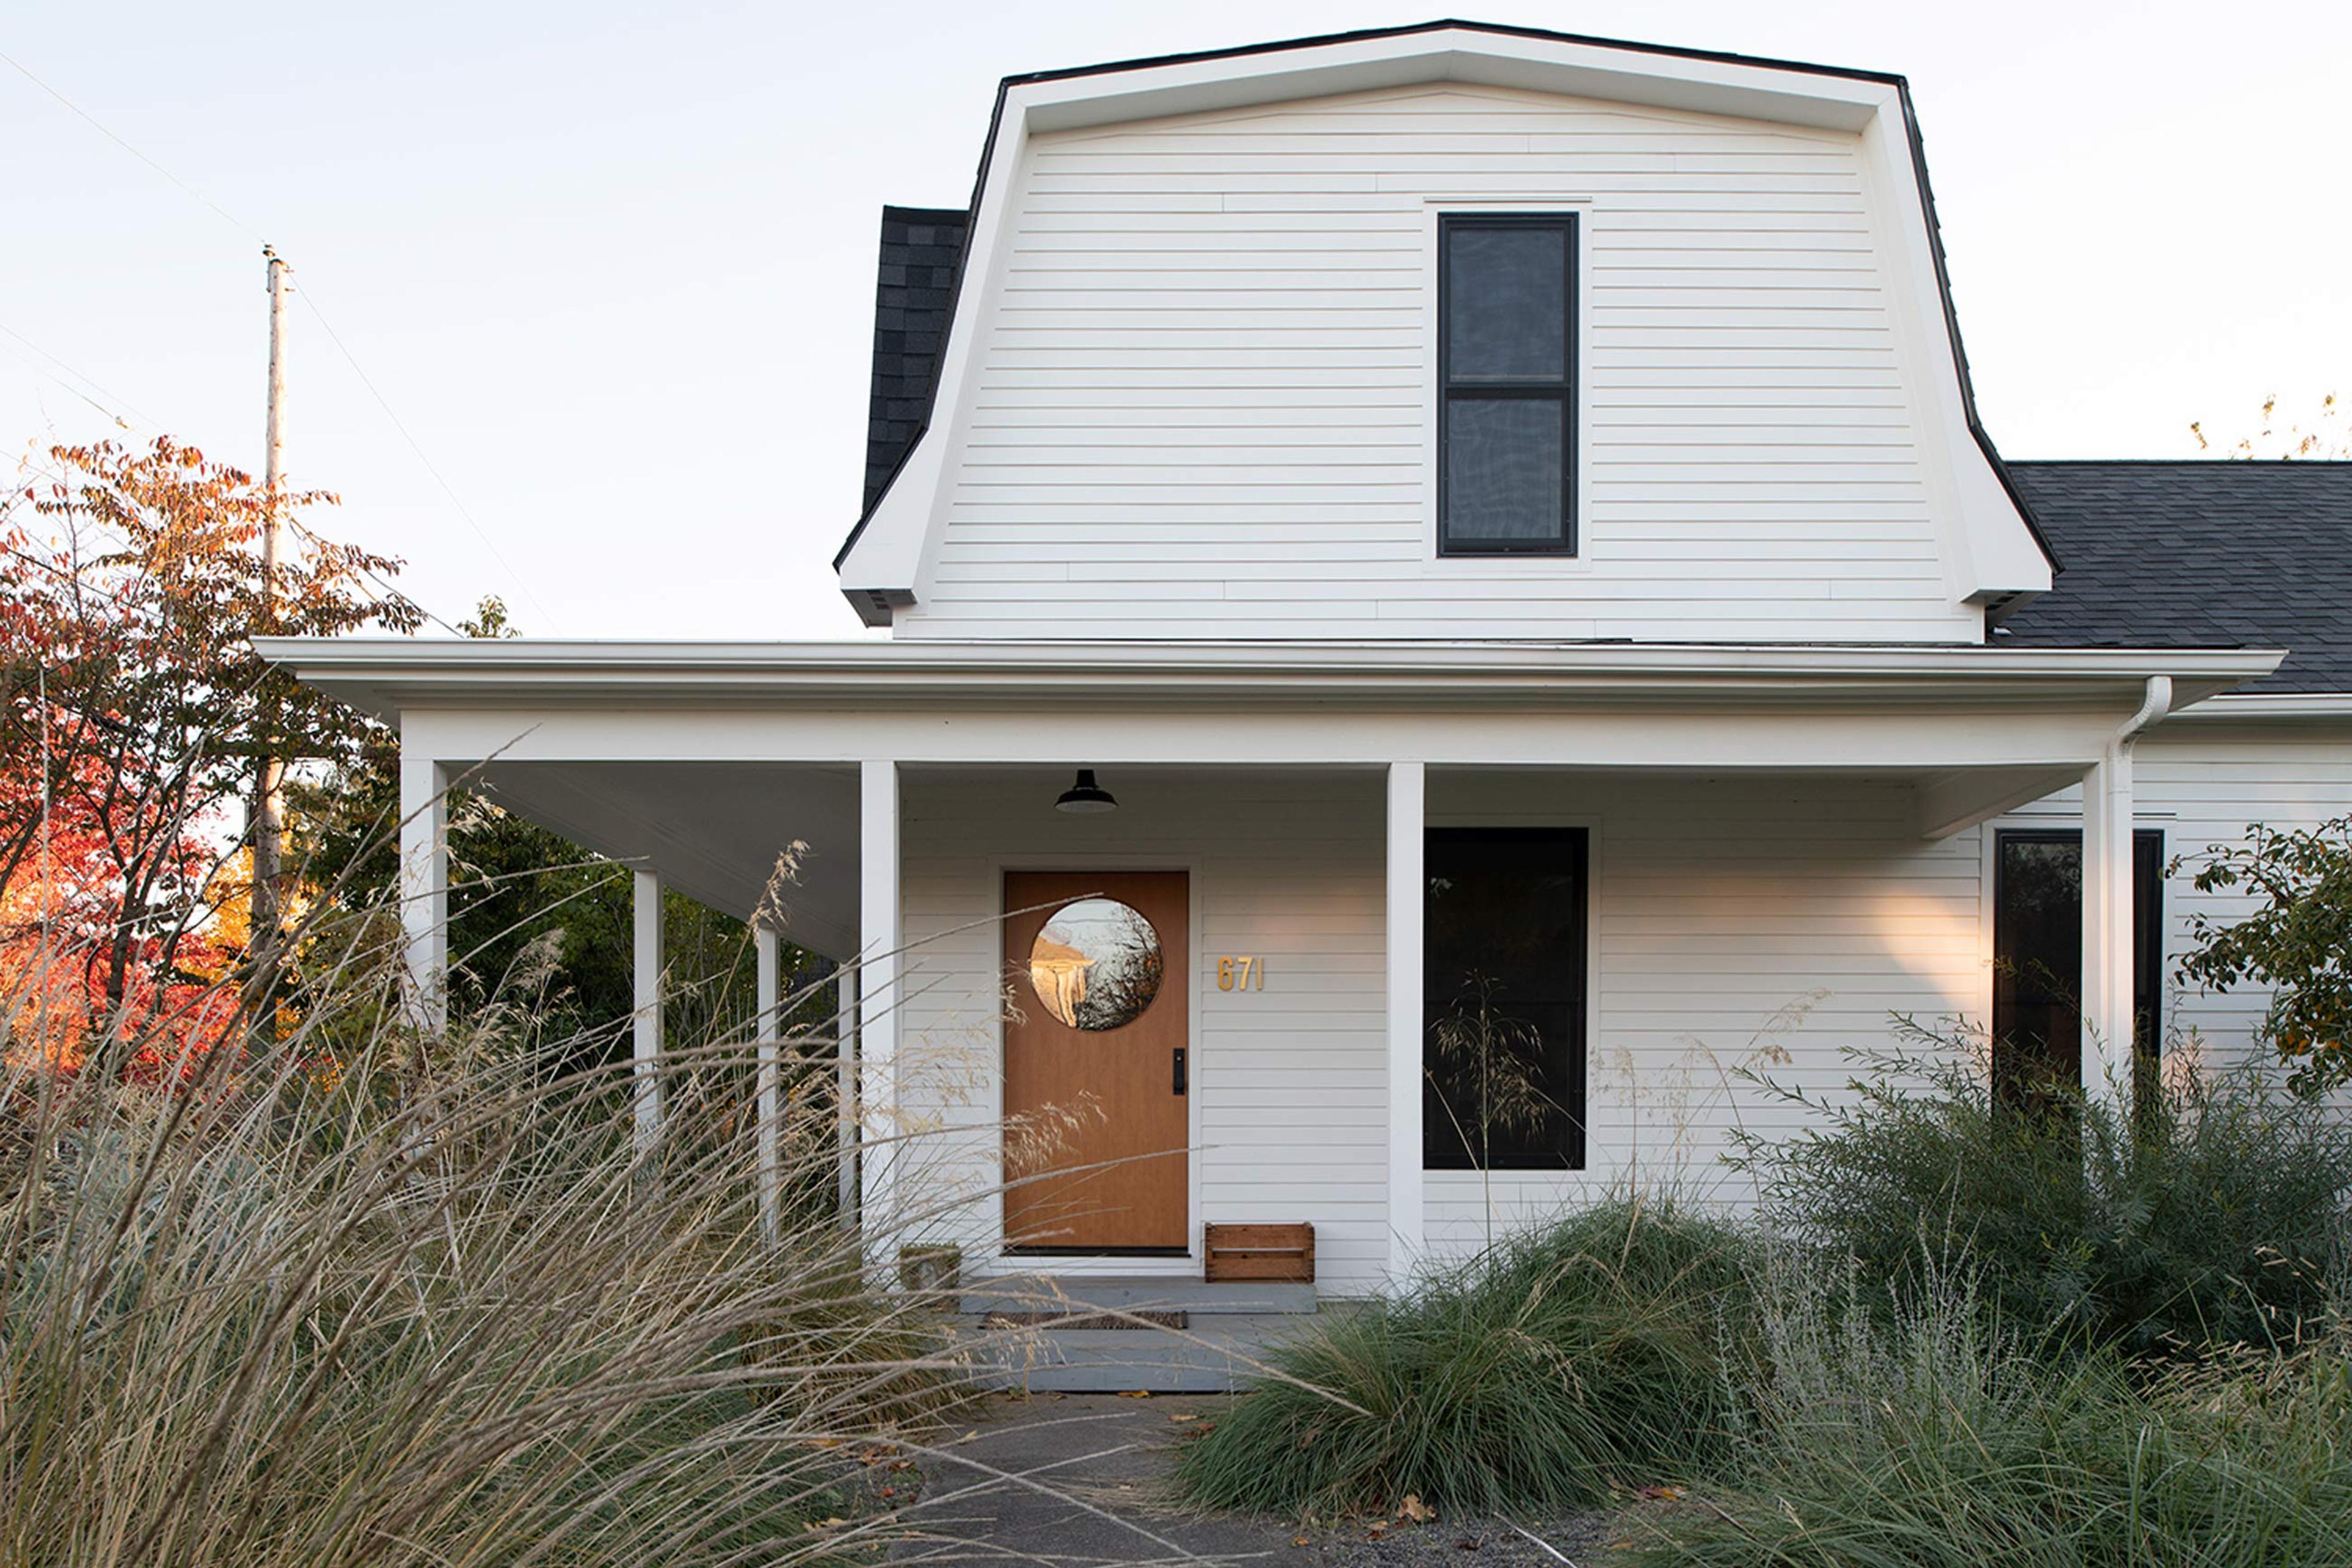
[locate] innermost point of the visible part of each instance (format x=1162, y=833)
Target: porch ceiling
x=714, y=830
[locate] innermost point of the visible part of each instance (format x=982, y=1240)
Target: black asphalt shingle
x=2158, y=555
x=921, y=249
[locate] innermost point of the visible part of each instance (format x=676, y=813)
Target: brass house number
x=1241, y=974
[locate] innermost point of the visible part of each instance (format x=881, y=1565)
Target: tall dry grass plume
x=361, y=1294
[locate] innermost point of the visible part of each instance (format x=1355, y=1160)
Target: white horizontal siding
x=1767, y=925
x=1203, y=385
x=1737, y=923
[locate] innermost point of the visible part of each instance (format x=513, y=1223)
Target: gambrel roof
x=913, y=295
x=2001, y=549
x=2198, y=554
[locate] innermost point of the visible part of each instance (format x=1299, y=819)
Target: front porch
x=1780, y=848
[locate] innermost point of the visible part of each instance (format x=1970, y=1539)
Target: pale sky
x=613, y=266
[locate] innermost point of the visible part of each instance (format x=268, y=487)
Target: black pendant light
x=1086, y=796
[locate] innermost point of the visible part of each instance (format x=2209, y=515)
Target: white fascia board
x=887, y=562
x=2272, y=707
x=1577, y=68
x=383, y=675
x=1992, y=555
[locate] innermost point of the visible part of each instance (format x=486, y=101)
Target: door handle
x=1179, y=1070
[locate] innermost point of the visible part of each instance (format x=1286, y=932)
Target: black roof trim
x=1718, y=56
x=1459, y=24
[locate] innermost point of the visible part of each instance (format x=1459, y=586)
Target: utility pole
x=269, y=784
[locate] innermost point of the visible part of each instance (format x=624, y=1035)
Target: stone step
x=1203, y=1360
x=1045, y=1293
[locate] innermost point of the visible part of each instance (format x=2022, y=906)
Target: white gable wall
x=1200, y=402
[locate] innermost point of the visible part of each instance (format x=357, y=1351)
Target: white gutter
x=951, y=659
x=2277, y=707
x=388, y=675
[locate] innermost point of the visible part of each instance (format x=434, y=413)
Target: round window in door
x=1097, y=965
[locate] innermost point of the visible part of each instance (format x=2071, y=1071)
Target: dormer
x=1442, y=332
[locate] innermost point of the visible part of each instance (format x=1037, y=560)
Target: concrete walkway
x=1081, y=1480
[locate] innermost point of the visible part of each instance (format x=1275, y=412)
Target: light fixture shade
x=1086, y=796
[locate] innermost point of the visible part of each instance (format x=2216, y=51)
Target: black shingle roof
x=921, y=249
x=2252, y=554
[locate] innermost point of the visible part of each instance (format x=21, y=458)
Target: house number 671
x=1247, y=974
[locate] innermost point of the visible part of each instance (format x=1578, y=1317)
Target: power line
x=479, y=531
x=88, y=380
x=93, y=124
x=351, y=358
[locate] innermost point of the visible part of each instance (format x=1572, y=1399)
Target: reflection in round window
x=1097, y=965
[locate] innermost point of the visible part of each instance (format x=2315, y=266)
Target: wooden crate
x=1284, y=1253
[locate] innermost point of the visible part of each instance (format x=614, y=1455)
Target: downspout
x=2107, y=844
x=2154, y=704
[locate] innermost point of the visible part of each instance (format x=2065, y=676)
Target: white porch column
x=647, y=1064
x=424, y=888
x=2107, y=924
x=878, y=992
x=1408, y=802
x=768, y=948
x=844, y=1025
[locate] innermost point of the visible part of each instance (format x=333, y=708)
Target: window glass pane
x=1097, y=964
x=2037, y=938
x=1503, y=978
x=1503, y=469
x=2038, y=968
x=1506, y=305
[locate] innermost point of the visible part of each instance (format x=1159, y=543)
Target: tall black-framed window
x=1507, y=384
x=2037, y=945
x=1503, y=943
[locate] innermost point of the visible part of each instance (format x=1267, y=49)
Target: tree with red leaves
x=136, y=708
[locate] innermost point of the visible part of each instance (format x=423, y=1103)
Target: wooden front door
x=1094, y=1062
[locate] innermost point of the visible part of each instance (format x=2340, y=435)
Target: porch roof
x=702, y=759
x=385, y=675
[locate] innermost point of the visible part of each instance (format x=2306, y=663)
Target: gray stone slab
x=1030, y=1292
x=1216, y=1353
x=1085, y=1481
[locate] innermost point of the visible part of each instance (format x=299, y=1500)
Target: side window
x=1505, y=384
x=2037, y=947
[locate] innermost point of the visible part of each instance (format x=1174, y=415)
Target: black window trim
x=1563, y=389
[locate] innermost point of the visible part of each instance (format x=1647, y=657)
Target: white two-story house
x=1374, y=520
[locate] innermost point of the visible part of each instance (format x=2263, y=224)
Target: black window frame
x=1440, y=1150
x=2147, y=947
x=1563, y=389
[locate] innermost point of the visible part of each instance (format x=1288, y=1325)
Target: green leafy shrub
x=2293, y=940
x=1562, y=1364
x=1935, y=1441
x=2215, y=1216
